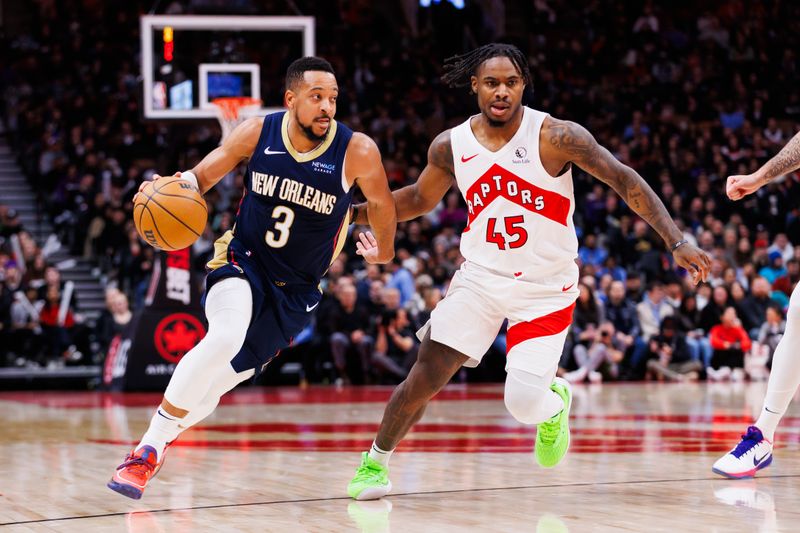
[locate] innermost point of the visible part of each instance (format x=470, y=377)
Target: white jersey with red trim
x=519, y=216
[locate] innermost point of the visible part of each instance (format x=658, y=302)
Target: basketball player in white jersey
x=513, y=165
x=754, y=451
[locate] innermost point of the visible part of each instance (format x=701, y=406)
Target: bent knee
x=526, y=401
x=224, y=341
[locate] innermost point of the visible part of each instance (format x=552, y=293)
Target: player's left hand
x=693, y=259
x=367, y=247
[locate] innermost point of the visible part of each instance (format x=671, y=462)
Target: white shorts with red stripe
x=479, y=299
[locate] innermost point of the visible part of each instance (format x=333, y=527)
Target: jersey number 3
x=513, y=229
x=278, y=236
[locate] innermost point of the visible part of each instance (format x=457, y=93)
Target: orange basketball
x=170, y=214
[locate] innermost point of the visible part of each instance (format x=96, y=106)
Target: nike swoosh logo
x=757, y=461
x=566, y=288
x=465, y=159
x=767, y=409
x=270, y=152
x=309, y=309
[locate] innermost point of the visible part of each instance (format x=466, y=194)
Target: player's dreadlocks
x=459, y=69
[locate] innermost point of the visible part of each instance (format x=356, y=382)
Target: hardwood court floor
x=279, y=460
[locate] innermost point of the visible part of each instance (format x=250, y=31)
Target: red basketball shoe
x=140, y=466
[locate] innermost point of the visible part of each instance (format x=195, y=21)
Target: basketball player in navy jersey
x=513, y=165
x=263, y=282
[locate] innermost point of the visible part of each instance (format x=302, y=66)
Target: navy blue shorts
x=279, y=313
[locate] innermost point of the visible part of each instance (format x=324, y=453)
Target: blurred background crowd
x=686, y=96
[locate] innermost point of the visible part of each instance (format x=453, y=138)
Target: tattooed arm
x=433, y=183
x=566, y=142
x=787, y=160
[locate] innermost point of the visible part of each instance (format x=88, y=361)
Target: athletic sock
x=381, y=456
x=768, y=422
x=163, y=428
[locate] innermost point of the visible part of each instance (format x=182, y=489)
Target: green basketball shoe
x=371, y=480
x=552, y=436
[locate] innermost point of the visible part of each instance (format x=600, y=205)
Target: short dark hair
x=777, y=308
x=459, y=69
x=295, y=72
x=655, y=284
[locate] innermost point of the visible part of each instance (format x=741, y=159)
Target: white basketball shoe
x=753, y=453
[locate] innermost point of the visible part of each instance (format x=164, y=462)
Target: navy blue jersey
x=293, y=218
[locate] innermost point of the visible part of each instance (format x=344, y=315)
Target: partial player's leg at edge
x=754, y=451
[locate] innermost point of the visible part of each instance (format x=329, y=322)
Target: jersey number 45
x=515, y=235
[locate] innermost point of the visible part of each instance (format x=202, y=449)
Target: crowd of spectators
x=35, y=327
x=686, y=95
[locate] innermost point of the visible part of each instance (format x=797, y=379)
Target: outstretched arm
x=433, y=183
x=568, y=142
x=363, y=162
x=237, y=147
x=787, y=160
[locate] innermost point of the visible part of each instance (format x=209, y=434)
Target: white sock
x=785, y=375
x=163, y=428
x=381, y=456
x=768, y=422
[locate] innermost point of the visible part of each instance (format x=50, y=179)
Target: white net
x=233, y=111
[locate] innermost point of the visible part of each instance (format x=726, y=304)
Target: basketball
x=170, y=214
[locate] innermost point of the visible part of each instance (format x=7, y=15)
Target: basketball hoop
x=232, y=111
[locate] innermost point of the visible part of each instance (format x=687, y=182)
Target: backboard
x=188, y=60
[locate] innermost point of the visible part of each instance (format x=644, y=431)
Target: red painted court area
x=453, y=438
x=596, y=432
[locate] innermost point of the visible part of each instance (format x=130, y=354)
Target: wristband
x=678, y=245
x=191, y=178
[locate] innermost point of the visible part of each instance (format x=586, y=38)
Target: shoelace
x=549, y=430
x=140, y=462
x=749, y=441
x=368, y=470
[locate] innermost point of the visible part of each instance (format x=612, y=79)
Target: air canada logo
x=176, y=334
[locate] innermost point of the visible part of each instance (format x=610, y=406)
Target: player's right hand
x=367, y=247
x=154, y=178
x=737, y=187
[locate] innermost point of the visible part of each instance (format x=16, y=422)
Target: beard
x=494, y=123
x=308, y=131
